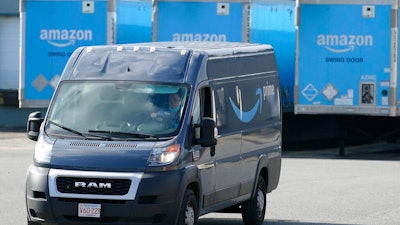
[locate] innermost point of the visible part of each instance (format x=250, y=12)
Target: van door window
x=202, y=106
x=206, y=102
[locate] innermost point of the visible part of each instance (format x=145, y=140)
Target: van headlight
x=165, y=155
x=43, y=149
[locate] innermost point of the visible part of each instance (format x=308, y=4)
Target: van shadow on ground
x=388, y=151
x=238, y=221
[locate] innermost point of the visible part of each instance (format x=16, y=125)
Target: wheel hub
x=189, y=215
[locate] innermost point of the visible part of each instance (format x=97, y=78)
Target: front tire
x=253, y=210
x=189, y=212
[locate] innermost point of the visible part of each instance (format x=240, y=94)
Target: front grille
x=95, y=186
x=104, y=146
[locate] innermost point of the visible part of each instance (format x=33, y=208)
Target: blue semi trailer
x=346, y=57
x=134, y=22
x=347, y=68
x=50, y=32
x=44, y=42
x=273, y=22
x=222, y=22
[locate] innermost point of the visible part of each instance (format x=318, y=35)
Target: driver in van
x=172, y=113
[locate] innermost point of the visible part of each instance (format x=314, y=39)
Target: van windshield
x=118, y=109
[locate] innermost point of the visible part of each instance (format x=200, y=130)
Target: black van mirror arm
x=35, y=120
x=205, y=132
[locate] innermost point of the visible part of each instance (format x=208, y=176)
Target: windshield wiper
x=145, y=136
x=77, y=132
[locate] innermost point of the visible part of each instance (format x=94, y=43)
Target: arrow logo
x=247, y=116
x=350, y=48
x=61, y=45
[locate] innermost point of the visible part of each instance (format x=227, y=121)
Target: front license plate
x=89, y=210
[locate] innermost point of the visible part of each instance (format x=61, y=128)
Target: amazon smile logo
x=65, y=37
x=344, y=43
x=260, y=94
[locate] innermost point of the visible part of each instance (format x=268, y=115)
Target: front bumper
x=156, y=201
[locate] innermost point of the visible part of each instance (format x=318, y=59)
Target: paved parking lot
x=317, y=187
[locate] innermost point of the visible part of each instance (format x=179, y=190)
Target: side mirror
x=205, y=132
x=33, y=126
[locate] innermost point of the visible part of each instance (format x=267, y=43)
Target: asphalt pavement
x=317, y=187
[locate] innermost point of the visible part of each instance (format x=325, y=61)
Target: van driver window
x=206, y=102
x=202, y=106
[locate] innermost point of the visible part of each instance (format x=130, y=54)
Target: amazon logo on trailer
x=344, y=43
x=65, y=37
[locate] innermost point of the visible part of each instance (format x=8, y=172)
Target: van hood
x=100, y=155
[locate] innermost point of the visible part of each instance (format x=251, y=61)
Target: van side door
x=261, y=133
x=228, y=148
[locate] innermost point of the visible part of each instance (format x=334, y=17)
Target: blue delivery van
x=158, y=133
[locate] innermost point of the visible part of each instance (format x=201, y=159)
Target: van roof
x=157, y=61
x=209, y=48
